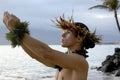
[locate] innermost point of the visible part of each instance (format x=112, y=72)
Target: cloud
x=40, y=12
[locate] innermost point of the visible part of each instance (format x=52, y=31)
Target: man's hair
x=87, y=42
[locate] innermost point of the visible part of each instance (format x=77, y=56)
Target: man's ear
x=79, y=38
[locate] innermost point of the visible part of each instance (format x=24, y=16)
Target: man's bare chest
x=67, y=74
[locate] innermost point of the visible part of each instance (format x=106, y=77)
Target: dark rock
x=117, y=49
x=111, y=63
x=108, y=59
x=108, y=67
x=117, y=73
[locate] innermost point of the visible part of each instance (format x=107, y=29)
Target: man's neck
x=74, y=48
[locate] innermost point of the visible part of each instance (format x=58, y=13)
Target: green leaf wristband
x=16, y=36
x=57, y=67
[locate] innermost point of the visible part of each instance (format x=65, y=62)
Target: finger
x=7, y=15
x=4, y=18
x=4, y=21
x=15, y=17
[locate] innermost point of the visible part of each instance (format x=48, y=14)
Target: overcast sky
x=40, y=12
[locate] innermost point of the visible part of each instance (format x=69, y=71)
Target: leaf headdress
x=62, y=23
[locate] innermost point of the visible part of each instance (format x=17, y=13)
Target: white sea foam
x=15, y=64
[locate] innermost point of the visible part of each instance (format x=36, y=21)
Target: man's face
x=68, y=38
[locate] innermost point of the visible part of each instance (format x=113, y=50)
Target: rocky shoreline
x=111, y=64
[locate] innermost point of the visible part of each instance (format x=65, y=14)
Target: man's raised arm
x=38, y=58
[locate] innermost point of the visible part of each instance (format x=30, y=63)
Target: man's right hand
x=10, y=20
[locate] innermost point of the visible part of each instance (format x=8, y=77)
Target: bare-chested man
x=76, y=38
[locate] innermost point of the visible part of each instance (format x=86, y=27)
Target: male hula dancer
x=76, y=37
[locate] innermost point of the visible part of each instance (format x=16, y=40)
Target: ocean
x=15, y=64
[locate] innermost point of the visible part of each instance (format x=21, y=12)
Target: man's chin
x=63, y=45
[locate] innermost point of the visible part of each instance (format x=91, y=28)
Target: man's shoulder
x=81, y=60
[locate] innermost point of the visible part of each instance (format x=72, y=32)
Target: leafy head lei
x=80, y=29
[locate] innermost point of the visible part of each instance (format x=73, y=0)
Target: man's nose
x=63, y=34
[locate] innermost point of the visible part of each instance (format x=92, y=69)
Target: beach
x=15, y=64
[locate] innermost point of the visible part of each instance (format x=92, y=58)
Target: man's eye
x=68, y=31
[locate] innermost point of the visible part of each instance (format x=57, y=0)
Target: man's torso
x=66, y=74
